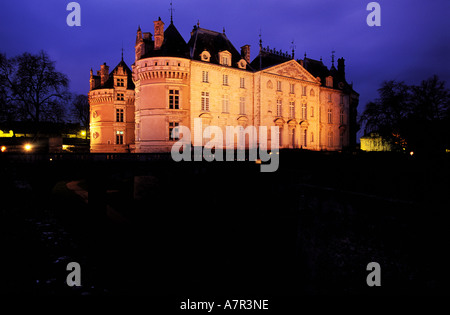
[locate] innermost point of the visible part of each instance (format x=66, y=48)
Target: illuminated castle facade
x=172, y=82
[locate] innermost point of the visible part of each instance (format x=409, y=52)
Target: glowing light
x=3, y=148
x=28, y=147
x=258, y=161
x=83, y=133
x=412, y=153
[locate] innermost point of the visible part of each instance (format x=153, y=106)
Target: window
x=119, y=115
x=242, y=106
x=156, y=63
x=225, y=60
x=341, y=117
x=304, y=90
x=311, y=135
x=174, y=99
x=225, y=103
x=279, y=108
x=304, y=137
x=120, y=82
x=312, y=111
x=330, y=139
x=120, y=97
x=205, y=101
x=278, y=85
x=311, y=93
x=292, y=88
x=119, y=137
x=341, y=139
x=342, y=100
x=304, y=111
x=205, y=76
x=291, y=109
x=329, y=97
x=242, y=83
x=330, y=116
x=225, y=79
x=173, y=131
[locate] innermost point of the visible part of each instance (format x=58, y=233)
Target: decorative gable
x=292, y=69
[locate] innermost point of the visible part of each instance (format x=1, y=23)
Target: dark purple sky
x=412, y=43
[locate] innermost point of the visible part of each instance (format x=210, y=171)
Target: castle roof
x=214, y=42
x=173, y=45
x=109, y=84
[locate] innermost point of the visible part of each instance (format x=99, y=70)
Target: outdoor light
x=412, y=153
x=28, y=147
x=83, y=133
x=3, y=148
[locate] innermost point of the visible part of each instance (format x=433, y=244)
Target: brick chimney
x=159, y=33
x=245, y=53
x=104, y=73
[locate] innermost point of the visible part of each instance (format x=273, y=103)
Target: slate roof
x=173, y=45
x=214, y=42
x=109, y=84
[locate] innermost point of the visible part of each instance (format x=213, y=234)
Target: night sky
x=412, y=43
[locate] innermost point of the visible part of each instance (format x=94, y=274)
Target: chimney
x=104, y=73
x=159, y=33
x=341, y=67
x=245, y=53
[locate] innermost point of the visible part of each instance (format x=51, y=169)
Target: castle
x=172, y=82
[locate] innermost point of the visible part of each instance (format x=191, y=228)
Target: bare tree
x=80, y=111
x=36, y=90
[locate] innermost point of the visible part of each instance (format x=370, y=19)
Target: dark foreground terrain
x=224, y=229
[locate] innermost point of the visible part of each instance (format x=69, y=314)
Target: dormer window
x=329, y=81
x=225, y=58
x=205, y=56
x=242, y=64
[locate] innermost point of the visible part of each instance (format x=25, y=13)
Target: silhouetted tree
x=415, y=115
x=80, y=110
x=35, y=90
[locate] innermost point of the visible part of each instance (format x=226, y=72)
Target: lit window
x=225, y=103
x=279, y=108
x=205, y=76
x=119, y=137
x=242, y=106
x=119, y=115
x=173, y=131
x=174, y=99
x=205, y=101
